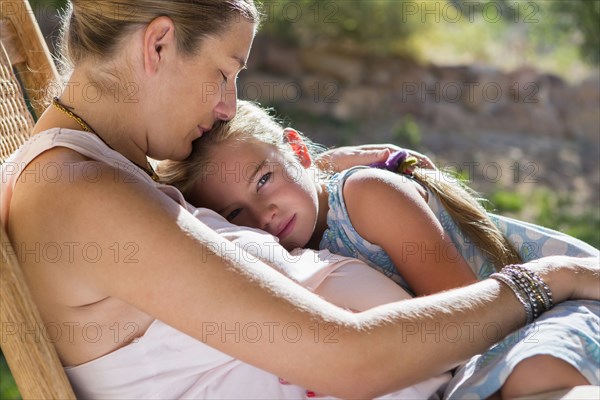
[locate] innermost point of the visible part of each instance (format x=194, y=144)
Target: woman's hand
x=345, y=157
x=587, y=273
x=570, y=277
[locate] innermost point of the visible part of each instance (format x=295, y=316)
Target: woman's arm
x=187, y=276
x=390, y=210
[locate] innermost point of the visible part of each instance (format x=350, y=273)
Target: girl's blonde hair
x=252, y=123
x=94, y=29
x=463, y=206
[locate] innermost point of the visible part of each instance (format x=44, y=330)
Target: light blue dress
x=577, y=341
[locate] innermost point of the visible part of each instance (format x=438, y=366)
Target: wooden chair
x=31, y=357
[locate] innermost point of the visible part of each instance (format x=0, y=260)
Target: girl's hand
x=349, y=156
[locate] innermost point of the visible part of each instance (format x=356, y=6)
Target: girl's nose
x=266, y=218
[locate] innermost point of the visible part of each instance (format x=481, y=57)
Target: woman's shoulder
x=48, y=140
x=51, y=159
x=66, y=179
x=58, y=156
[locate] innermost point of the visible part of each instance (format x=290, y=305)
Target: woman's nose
x=226, y=108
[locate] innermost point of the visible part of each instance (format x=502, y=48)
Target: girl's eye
x=233, y=214
x=224, y=77
x=264, y=179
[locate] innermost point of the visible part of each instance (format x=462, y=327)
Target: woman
x=142, y=271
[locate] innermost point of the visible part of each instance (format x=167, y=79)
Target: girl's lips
x=288, y=228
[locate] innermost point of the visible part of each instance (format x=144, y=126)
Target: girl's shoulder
x=368, y=188
x=338, y=180
x=361, y=178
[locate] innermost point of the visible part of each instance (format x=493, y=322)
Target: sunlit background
x=505, y=93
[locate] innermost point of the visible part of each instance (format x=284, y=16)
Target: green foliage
x=507, y=201
x=551, y=210
x=407, y=133
x=507, y=10
x=373, y=27
x=555, y=211
x=550, y=25
x=581, y=17
x=8, y=387
x=395, y=26
x=58, y=4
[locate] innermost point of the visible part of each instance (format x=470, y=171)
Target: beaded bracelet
x=521, y=296
x=538, y=284
x=529, y=288
x=544, y=290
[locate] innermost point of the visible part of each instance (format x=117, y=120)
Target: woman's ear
x=298, y=146
x=159, y=37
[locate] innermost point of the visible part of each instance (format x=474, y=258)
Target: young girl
x=423, y=229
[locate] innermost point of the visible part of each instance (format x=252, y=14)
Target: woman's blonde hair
x=252, y=123
x=94, y=29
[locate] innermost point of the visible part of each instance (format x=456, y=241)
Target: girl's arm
x=187, y=276
x=390, y=210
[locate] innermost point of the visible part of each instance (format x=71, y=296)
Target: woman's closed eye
x=224, y=77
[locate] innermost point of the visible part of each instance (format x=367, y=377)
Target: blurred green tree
x=373, y=27
x=383, y=27
x=581, y=16
x=550, y=21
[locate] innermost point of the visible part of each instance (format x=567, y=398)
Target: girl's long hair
x=463, y=206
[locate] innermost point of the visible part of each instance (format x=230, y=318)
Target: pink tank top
x=166, y=363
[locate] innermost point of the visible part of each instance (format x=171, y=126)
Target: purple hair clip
x=399, y=161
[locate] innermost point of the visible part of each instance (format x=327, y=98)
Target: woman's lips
x=202, y=130
x=288, y=228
